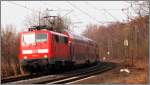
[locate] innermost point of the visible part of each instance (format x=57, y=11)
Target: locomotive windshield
x=33, y=38
x=41, y=37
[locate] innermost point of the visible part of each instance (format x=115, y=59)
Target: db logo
x=34, y=51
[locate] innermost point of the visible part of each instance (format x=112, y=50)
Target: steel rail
x=101, y=67
x=84, y=74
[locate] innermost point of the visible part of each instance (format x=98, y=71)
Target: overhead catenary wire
x=105, y=10
x=74, y=6
x=65, y=15
x=94, y=7
x=58, y=9
x=32, y=10
x=21, y=6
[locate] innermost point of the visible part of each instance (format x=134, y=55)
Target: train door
x=53, y=46
x=65, y=47
x=87, y=54
x=56, y=41
x=71, y=52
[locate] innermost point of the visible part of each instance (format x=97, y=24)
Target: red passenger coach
x=82, y=50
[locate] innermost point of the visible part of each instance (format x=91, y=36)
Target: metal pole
x=126, y=48
x=39, y=18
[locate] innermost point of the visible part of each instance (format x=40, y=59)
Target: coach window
x=66, y=40
x=56, y=38
x=61, y=39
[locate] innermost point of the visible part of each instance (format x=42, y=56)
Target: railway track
x=14, y=78
x=23, y=77
x=84, y=74
x=68, y=76
x=20, y=77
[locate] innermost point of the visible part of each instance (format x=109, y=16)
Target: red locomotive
x=42, y=50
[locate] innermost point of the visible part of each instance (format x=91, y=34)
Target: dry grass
x=138, y=75
x=8, y=70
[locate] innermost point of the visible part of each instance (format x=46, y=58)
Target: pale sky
x=93, y=12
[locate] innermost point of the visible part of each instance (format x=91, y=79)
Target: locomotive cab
x=34, y=45
x=42, y=49
x=34, y=48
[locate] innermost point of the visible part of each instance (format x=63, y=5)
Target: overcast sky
x=83, y=11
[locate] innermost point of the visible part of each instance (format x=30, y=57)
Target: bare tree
x=57, y=23
x=10, y=51
x=111, y=38
x=140, y=8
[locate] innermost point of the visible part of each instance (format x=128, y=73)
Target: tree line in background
x=111, y=38
x=9, y=51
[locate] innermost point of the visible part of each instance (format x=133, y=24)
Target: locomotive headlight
x=25, y=57
x=45, y=56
